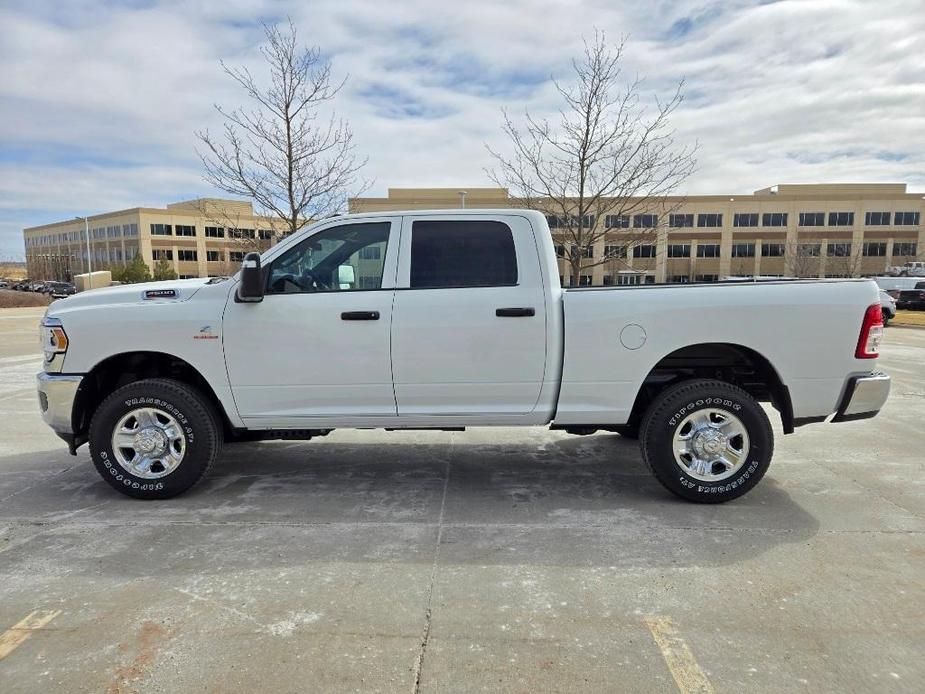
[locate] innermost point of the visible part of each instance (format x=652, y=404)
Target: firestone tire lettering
x=667, y=412
x=192, y=411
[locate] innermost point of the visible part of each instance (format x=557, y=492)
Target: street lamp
x=89, y=260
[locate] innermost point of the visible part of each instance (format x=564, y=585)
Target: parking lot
x=516, y=560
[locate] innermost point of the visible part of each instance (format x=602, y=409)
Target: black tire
x=886, y=317
x=667, y=413
x=193, y=412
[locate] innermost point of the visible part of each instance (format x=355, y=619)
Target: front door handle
x=514, y=312
x=360, y=315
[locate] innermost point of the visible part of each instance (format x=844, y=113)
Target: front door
x=469, y=323
x=318, y=343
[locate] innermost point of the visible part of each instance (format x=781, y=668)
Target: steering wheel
x=310, y=281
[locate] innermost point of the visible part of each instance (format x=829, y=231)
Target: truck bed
x=615, y=336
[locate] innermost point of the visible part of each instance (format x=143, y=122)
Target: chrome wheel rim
x=148, y=443
x=711, y=445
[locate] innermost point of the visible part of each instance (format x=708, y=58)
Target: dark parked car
x=58, y=290
x=22, y=285
x=912, y=298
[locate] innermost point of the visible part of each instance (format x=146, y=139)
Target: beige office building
x=820, y=230
x=199, y=238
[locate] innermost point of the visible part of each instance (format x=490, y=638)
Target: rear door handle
x=514, y=312
x=360, y=315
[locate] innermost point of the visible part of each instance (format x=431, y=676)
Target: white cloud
x=99, y=100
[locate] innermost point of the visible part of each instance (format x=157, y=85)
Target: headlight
x=54, y=339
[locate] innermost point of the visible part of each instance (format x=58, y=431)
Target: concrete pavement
x=516, y=560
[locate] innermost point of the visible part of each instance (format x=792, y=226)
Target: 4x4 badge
x=205, y=333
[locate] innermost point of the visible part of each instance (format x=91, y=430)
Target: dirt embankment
x=11, y=299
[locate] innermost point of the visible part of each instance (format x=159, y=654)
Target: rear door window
x=462, y=254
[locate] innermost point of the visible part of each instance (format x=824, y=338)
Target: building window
x=706, y=278
x=709, y=220
x=370, y=253
x=162, y=254
x=906, y=219
x=130, y=229
x=772, y=250
x=838, y=250
x=617, y=221
x=745, y=219
x=841, y=219
x=679, y=250
x=904, y=249
x=743, y=250
x=187, y=255
x=809, y=250
x=614, y=251
x=187, y=277
x=185, y=230
x=586, y=252
x=874, y=248
x=708, y=250
x=587, y=221
x=215, y=232
x=235, y=256
x=877, y=219
x=678, y=279
x=644, y=251
x=161, y=230
x=560, y=250
x=584, y=280
x=213, y=256
x=680, y=220
x=264, y=234
x=645, y=221
x=812, y=219
x=774, y=219
x=608, y=280
x=240, y=233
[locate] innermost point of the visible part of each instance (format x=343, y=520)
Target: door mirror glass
x=250, y=290
x=345, y=276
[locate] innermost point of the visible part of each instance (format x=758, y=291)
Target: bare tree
x=281, y=152
x=608, y=156
x=803, y=259
x=845, y=259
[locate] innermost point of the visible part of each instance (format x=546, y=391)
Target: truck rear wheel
x=706, y=441
x=154, y=439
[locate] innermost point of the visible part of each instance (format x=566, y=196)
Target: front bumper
x=864, y=397
x=56, y=400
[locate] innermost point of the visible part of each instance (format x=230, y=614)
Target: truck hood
x=169, y=291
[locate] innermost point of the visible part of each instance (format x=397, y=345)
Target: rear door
x=469, y=317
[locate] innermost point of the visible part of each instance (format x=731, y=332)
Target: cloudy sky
x=99, y=99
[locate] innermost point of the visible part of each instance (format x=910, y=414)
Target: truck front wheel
x=154, y=439
x=706, y=441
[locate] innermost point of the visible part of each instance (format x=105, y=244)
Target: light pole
x=462, y=198
x=89, y=260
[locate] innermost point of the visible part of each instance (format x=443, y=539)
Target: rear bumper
x=864, y=397
x=56, y=401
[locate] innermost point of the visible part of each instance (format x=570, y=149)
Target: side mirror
x=250, y=290
x=345, y=276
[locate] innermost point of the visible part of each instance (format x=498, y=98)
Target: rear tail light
x=871, y=333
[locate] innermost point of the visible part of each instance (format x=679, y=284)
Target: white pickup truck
x=445, y=320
